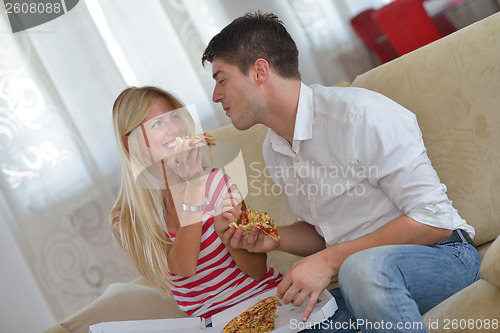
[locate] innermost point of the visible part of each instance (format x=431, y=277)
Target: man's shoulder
x=351, y=94
x=339, y=103
x=354, y=102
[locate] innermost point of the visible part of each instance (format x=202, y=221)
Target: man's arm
x=249, y=252
x=299, y=238
x=310, y=276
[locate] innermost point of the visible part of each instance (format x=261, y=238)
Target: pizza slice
x=257, y=319
x=193, y=139
x=251, y=218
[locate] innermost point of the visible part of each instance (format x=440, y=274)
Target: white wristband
x=193, y=208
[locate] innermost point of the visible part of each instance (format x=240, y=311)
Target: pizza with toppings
x=252, y=218
x=260, y=318
x=193, y=139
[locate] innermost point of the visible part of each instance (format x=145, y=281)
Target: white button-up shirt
x=357, y=162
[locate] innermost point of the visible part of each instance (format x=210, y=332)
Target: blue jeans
x=388, y=288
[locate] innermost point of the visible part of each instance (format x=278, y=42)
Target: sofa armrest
x=119, y=302
x=476, y=306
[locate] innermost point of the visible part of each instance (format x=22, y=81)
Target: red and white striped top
x=218, y=283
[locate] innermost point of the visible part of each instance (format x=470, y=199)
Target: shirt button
x=297, y=160
x=309, y=195
x=324, y=227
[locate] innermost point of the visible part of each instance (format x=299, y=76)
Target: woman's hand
x=187, y=163
x=227, y=212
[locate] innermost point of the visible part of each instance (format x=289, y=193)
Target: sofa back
x=453, y=87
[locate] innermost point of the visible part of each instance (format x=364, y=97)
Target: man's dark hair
x=253, y=36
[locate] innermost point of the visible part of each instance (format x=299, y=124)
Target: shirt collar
x=304, y=118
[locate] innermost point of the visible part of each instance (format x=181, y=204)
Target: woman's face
x=161, y=126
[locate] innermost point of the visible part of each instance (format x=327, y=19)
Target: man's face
x=236, y=92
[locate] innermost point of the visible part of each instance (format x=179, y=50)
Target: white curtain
x=58, y=160
x=338, y=52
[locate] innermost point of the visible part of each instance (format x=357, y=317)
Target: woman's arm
x=182, y=255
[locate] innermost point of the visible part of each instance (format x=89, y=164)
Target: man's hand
x=307, y=278
x=256, y=241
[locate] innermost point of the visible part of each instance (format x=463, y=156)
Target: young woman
x=171, y=210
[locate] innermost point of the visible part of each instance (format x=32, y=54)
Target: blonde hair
x=141, y=227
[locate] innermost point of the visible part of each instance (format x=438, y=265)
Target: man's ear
x=125, y=141
x=261, y=70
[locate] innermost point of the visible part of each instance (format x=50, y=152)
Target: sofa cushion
x=452, y=87
x=490, y=267
x=124, y=301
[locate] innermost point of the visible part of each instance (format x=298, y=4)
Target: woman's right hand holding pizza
x=228, y=211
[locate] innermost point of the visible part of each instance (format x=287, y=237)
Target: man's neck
x=284, y=100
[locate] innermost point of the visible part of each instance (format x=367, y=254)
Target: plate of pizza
x=266, y=313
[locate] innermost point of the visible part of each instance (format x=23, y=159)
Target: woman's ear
x=125, y=141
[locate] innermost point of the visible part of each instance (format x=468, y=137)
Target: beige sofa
x=453, y=86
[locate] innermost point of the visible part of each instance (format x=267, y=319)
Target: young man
x=353, y=164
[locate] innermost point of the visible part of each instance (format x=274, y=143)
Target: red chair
x=372, y=36
x=406, y=24
x=444, y=26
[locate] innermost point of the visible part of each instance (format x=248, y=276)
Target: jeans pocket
x=471, y=260
x=454, y=251
x=465, y=255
